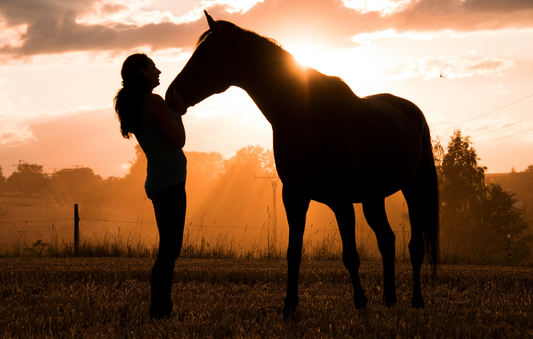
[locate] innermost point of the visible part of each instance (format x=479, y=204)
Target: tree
x=210, y=164
x=75, y=184
x=249, y=159
x=203, y=172
x=478, y=221
x=501, y=226
x=461, y=184
x=128, y=191
x=2, y=180
x=236, y=194
x=522, y=184
x=4, y=211
x=27, y=179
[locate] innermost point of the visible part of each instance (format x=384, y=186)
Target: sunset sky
x=60, y=69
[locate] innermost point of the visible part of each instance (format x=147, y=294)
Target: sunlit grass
x=218, y=298
x=203, y=244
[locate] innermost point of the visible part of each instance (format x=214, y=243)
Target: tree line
x=479, y=222
x=207, y=172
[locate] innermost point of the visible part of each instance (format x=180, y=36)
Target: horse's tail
x=432, y=224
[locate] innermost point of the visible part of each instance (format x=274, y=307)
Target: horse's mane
x=253, y=36
x=268, y=47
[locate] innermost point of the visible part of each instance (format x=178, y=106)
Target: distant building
x=498, y=178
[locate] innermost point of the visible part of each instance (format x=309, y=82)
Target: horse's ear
x=212, y=25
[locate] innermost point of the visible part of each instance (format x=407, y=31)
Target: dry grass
x=202, y=246
x=109, y=297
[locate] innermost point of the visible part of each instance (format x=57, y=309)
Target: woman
x=158, y=128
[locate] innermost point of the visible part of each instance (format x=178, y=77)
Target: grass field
x=242, y=298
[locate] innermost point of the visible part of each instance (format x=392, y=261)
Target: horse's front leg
x=296, y=205
x=377, y=219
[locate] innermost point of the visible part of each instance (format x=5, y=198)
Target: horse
x=330, y=146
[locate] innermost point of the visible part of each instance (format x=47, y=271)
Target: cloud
x=60, y=26
x=89, y=137
x=465, y=15
x=33, y=27
x=14, y=133
x=451, y=67
x=384, y=7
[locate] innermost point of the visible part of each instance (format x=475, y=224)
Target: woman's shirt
x=167, y=165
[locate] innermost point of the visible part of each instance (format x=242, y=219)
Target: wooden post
x=274, y=211
x=76, y=230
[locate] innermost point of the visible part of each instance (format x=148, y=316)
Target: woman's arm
x=173, y=128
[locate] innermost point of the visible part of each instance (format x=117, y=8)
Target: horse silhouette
x=330, y=146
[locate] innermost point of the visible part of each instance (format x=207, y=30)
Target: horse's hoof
x=360, y=302
x=417, y=302
x=288, y=313
x=390, y=300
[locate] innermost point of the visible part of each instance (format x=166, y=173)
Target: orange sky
x=60, y=68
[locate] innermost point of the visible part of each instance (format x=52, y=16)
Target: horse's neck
x=276, y=89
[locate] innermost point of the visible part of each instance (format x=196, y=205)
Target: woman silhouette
x=158, y=128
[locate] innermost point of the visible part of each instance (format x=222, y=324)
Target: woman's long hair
x=129, y=98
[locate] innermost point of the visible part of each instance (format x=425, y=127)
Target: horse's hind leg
x=346, y=221
x=296, y=206
x=377, y=219
x=417, y=209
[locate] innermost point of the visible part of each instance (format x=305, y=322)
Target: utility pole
x=19, y=167
x=76, y=230
x=46, y=201
x=273, y=177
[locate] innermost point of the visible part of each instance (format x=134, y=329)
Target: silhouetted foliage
x=501, y=228
x=4, y=210
x=236, y=185
x=203, y=172
x=522, y=184
x=461, y=184
x=2, y=180
x=206, y=164
x=28, y=179
x=249, y=159
x=75, y=184
x=131, y=186
x=109, y=192
x=479, y=222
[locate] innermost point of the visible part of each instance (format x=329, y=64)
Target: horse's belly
x=374, y=160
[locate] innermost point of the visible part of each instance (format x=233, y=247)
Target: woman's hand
x=176, y=103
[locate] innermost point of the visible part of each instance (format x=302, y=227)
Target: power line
x=512, y=135
x=488, y=142
x=482, y=115
x=26, y=221
x=499, y=128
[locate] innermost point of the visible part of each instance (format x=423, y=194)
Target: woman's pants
x=169, y=207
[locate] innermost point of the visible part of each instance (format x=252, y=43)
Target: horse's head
x=212, y=68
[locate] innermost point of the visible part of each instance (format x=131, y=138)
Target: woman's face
x=151, y=74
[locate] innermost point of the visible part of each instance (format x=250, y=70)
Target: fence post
x=76, y=230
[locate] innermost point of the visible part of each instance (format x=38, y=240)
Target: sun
x=307, y=55
x=330, y=62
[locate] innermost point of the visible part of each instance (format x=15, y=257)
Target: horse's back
x=391, y=141
x=340, y=142
x=411, y=111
